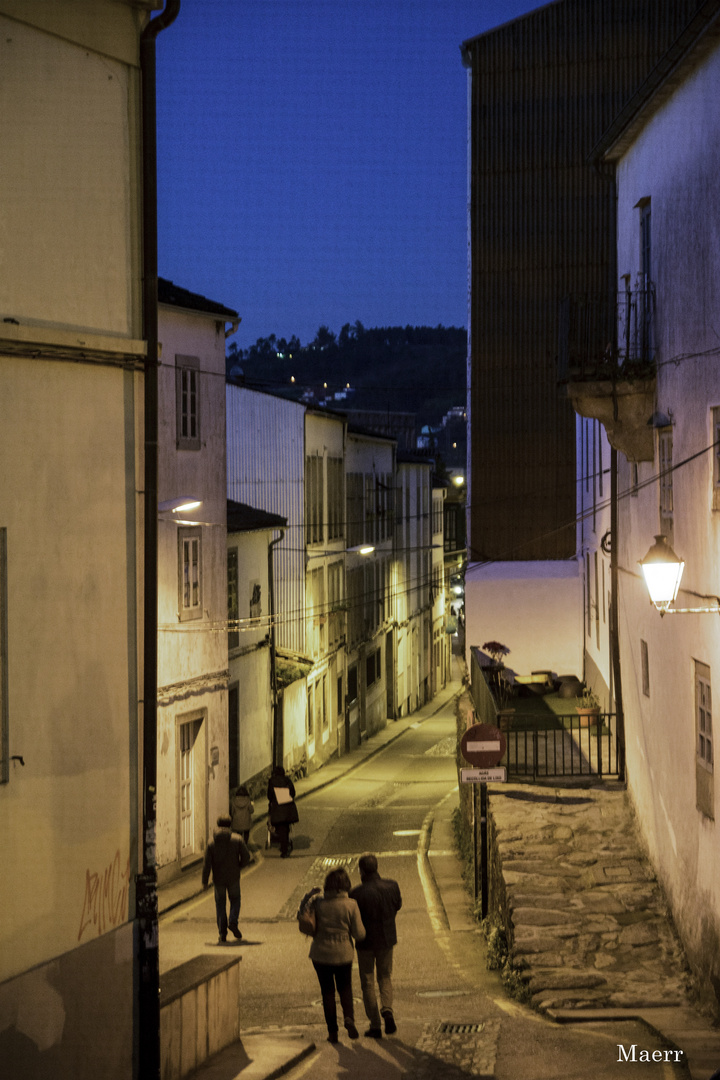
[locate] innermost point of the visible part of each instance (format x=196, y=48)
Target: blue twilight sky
x=312, y=159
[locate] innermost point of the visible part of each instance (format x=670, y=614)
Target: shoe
x=350, y=1027
x=235, y=932
x=373, y=1033
x=390, y=1025
x=332, y=1036
x=222, y=939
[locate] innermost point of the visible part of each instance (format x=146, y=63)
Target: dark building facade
x=544, y=88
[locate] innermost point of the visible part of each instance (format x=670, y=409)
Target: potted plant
x=589, y=708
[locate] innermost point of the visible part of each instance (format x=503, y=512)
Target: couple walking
x=366, y=915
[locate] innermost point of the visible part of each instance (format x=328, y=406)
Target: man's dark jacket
x=225, y=855
x=379, y=901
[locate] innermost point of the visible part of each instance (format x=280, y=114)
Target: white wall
x=534, y=608
x=192, y=656
x=675, y=161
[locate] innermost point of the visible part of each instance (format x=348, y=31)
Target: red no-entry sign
x=483, y=745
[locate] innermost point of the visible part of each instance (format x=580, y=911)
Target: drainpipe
x=614, y=618
x=146, y=901
x=278, y=747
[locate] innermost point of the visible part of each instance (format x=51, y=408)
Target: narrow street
x=399, y=804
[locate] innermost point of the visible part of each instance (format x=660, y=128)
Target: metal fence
x=571, y=750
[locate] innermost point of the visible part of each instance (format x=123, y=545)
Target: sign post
x=482, y=745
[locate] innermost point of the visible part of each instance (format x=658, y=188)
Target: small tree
x=496, y=652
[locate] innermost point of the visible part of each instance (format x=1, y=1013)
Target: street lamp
x=662, y=570
x=182, y=502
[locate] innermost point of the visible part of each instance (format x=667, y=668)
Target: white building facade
x=192, y=714
x=667, y=158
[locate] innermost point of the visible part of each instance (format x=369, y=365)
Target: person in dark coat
x=379, y=901
x=225, y=856
x=281, y=813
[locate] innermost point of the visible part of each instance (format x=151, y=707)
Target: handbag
x=307, y=923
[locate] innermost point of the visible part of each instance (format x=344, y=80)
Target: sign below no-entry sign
x=483, y=745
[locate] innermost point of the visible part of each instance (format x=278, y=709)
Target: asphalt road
x=398, y=804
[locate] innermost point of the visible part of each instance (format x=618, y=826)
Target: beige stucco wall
x=70, y=202
x=68, y=495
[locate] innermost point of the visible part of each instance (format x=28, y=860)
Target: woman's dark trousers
x=330, y=976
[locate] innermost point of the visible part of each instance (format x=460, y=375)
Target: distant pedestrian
x=225, y=856
x=282, y=811
x=338, y=923
x=379, y=901
x=242, y=808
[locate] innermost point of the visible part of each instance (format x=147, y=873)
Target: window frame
x=704, y=741
x=187, y=402
x=233, y=597
x=189, y=535
x=715, y=425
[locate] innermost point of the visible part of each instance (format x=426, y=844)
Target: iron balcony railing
x=607, y=337
x=564, y=748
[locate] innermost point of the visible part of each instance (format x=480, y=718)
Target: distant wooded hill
x=419, y=369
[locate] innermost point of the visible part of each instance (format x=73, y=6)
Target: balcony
x=606, y=361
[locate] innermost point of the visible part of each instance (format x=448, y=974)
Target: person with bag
x=337, y=924
x=282, y=811
x=225, y=856
x=242, y=808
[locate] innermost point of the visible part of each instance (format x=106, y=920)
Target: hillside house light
x=662, y=570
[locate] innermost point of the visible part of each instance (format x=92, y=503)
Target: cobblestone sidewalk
x=590, y=927
x=448, y=1051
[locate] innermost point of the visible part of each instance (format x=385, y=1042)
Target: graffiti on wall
x=106, y=897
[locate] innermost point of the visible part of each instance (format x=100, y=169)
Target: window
x=645, y=242
x=336, y=498
x=352, y=689
x=233, y=600
x=645, y=665
x=188, y=402
x=437, y=517
x=314, y=500
x=233, y=736
x=715, y=412
x=336, y=616
x=355, y=518
x=665, y=455
x=4, y=713
x=704, y=758
x=190, y=559
x=255, y=599
x=316, y=642
x=373, y=670
x=311, y=712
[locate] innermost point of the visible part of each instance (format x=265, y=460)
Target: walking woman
x=282, y=811
x=338, y=923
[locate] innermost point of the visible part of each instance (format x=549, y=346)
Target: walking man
x=225, y=856
x=379, y=901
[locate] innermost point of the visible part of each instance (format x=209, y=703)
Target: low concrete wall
x=198, y=1013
